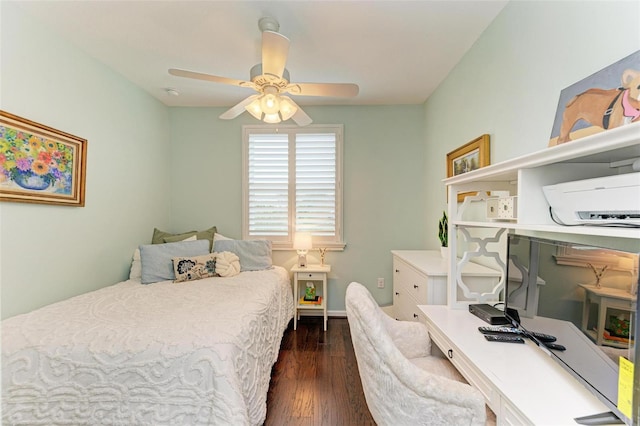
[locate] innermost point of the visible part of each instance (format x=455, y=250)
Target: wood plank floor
x=315, y=380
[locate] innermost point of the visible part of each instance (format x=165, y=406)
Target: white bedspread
x=198, y=352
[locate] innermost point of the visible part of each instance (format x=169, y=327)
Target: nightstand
x=606, y=298
x=317, y=274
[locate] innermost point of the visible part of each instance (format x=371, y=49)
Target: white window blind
x=292, y=182
x=268, y=185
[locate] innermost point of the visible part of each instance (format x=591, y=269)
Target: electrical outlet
x=380, y=282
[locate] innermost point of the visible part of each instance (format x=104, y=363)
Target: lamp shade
x=302, y=241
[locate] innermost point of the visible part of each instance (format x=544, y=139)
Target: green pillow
x=180, y=237
x=160, y=237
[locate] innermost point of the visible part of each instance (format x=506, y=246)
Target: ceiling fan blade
x=209, y=77
x=338, y=90
x=238, y=109
x=275, y=48
x=300, y=117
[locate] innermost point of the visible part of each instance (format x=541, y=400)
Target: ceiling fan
x=271, y=80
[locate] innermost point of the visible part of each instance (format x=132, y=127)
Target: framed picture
x=39, y=164
x=606, y=99
x=468, y=157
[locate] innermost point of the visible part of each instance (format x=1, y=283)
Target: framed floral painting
x=39, y=164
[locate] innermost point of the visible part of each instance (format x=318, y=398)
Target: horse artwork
x=607, y=99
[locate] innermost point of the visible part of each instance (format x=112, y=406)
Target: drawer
x=475, y=379
x=509, y=415
x=319, y=276
x=403, y=305
x=412, y=281
x=462, y=364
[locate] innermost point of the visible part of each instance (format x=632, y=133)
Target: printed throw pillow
x=194, y=268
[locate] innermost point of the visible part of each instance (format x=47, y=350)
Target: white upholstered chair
x=403, y=384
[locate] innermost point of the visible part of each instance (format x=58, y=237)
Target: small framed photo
x=39, y=164
x=468, y=157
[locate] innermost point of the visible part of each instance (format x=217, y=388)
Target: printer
x=609, y=200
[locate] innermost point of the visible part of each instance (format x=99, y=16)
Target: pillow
x=194, y=268
x=227, y=264
x=255, y=255
x=218, y=237
x=156, y=258
x=160, y=237
x=135, y=273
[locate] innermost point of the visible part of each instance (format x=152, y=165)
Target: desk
x=520, y=383
x=606, y=298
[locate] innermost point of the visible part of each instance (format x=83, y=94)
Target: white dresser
x=420, y=278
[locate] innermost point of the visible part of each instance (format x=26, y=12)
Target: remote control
x=503, y=338
x=511, y=330
x=544, y=338
x=555, y=346
x=498, y=330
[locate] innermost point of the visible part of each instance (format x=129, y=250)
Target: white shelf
x=594, y=156
x=617, y=144
x=603, y=231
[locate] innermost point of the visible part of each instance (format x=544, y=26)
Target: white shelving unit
x=454, y=331
x=603, y=154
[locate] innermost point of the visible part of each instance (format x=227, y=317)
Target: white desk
x=521, y=384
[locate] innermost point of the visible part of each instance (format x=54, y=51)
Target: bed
x=198, y=352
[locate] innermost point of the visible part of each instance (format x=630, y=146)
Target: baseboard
x=343, y=314
x=331, y=314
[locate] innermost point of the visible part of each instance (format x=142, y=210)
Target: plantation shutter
x=292, y=183
x=268, y=185
x=316, y=183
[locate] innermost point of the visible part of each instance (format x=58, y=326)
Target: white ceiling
x=396, y=51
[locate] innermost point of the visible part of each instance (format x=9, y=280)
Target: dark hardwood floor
x=315, y=380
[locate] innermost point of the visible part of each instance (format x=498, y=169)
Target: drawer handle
x=450, y=353
x=397, y=270
x=415, y=286
x=415, y=315
x=397, y=294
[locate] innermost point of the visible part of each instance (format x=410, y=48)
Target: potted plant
x=443, y=234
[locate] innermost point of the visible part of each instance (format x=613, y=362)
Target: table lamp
x=302, y=243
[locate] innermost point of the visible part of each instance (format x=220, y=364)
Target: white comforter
x=198, y=352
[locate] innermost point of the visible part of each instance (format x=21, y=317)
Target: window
x=292, y=181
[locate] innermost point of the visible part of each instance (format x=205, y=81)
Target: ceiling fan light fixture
x=287, y=108
x=270, y=101
x=272, y=118
x=254, y=109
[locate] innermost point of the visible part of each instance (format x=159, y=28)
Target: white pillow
x=135, y=273
x=220, y=237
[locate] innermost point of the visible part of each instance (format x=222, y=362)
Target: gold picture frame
x=468, y=157
x=39, y=164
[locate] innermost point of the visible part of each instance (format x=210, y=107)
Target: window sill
x=328, y=246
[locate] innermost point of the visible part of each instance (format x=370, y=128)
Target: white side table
x=318, y=275
x=606, y=298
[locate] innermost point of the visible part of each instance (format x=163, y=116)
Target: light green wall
x=384, y=191
x=177, y=168
x=509, y=83
x=48, y=253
